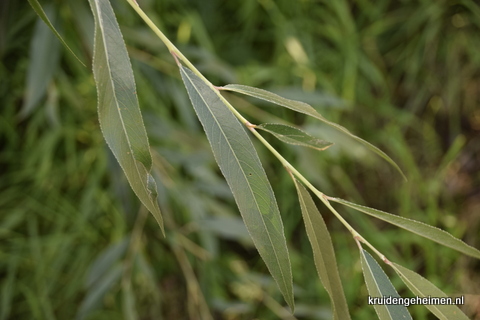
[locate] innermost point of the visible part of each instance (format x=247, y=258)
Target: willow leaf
x=39, y=10
x=421, y=287
x=118, y=110
x=420, y=228
x=239, y=163
x=379, y=286
x=304, y=108
x=323, y=253
x=292, y=135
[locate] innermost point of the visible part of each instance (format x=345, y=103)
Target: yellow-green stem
x=170, y=46
x=177, y=53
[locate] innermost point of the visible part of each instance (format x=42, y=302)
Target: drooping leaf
x=94, y=296
x=39, y=10
x=421, y=287
x=379, y=286
x=323, y=253
x=420, y=228
x=311, y=97
x=44, y=54
x=302, y=107
x=118, y=110
x=105, y=261
x=294, y=136
x=239, y=163
x=298, y=106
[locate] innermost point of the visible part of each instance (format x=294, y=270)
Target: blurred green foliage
x=74, y=241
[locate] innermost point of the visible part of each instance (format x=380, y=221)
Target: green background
x=74, y=241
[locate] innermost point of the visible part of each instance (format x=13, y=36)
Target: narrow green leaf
x=421, y=287
x=44, y=56
x=420, y=228
x=94, y=296
x=323, y=253
x=298, y=106
x=118, y=110
x=379, y=286
x=39, y=10
x=239, y=163
x=105, y=261
x=302, y=107
x=294, y=136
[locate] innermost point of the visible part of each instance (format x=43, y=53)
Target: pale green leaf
x=379, y=286
x=302, y=107
x=38, y=9
x=298, y=106
x=421, y=287
x=118, y=110
x=94, y=296
x=44, y=56
x=323, y=253
x=294, y=136
x=239, y=163
x=420, y=228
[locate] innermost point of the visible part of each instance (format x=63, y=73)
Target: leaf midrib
x=376, y=285
x=318, y=247
x=330, y=284
x=124, y=131
x=249, y=187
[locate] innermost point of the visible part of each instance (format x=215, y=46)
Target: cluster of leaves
x=122, y=127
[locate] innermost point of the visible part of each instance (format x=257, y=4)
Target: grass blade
x=7, y=290
x=239, y=163
x=421, y=287
x=302, y=107
x=379, y=285
x=292, y=135
x=118, y=110
x=323, y=253
x=39, y=10
x=420, y=228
